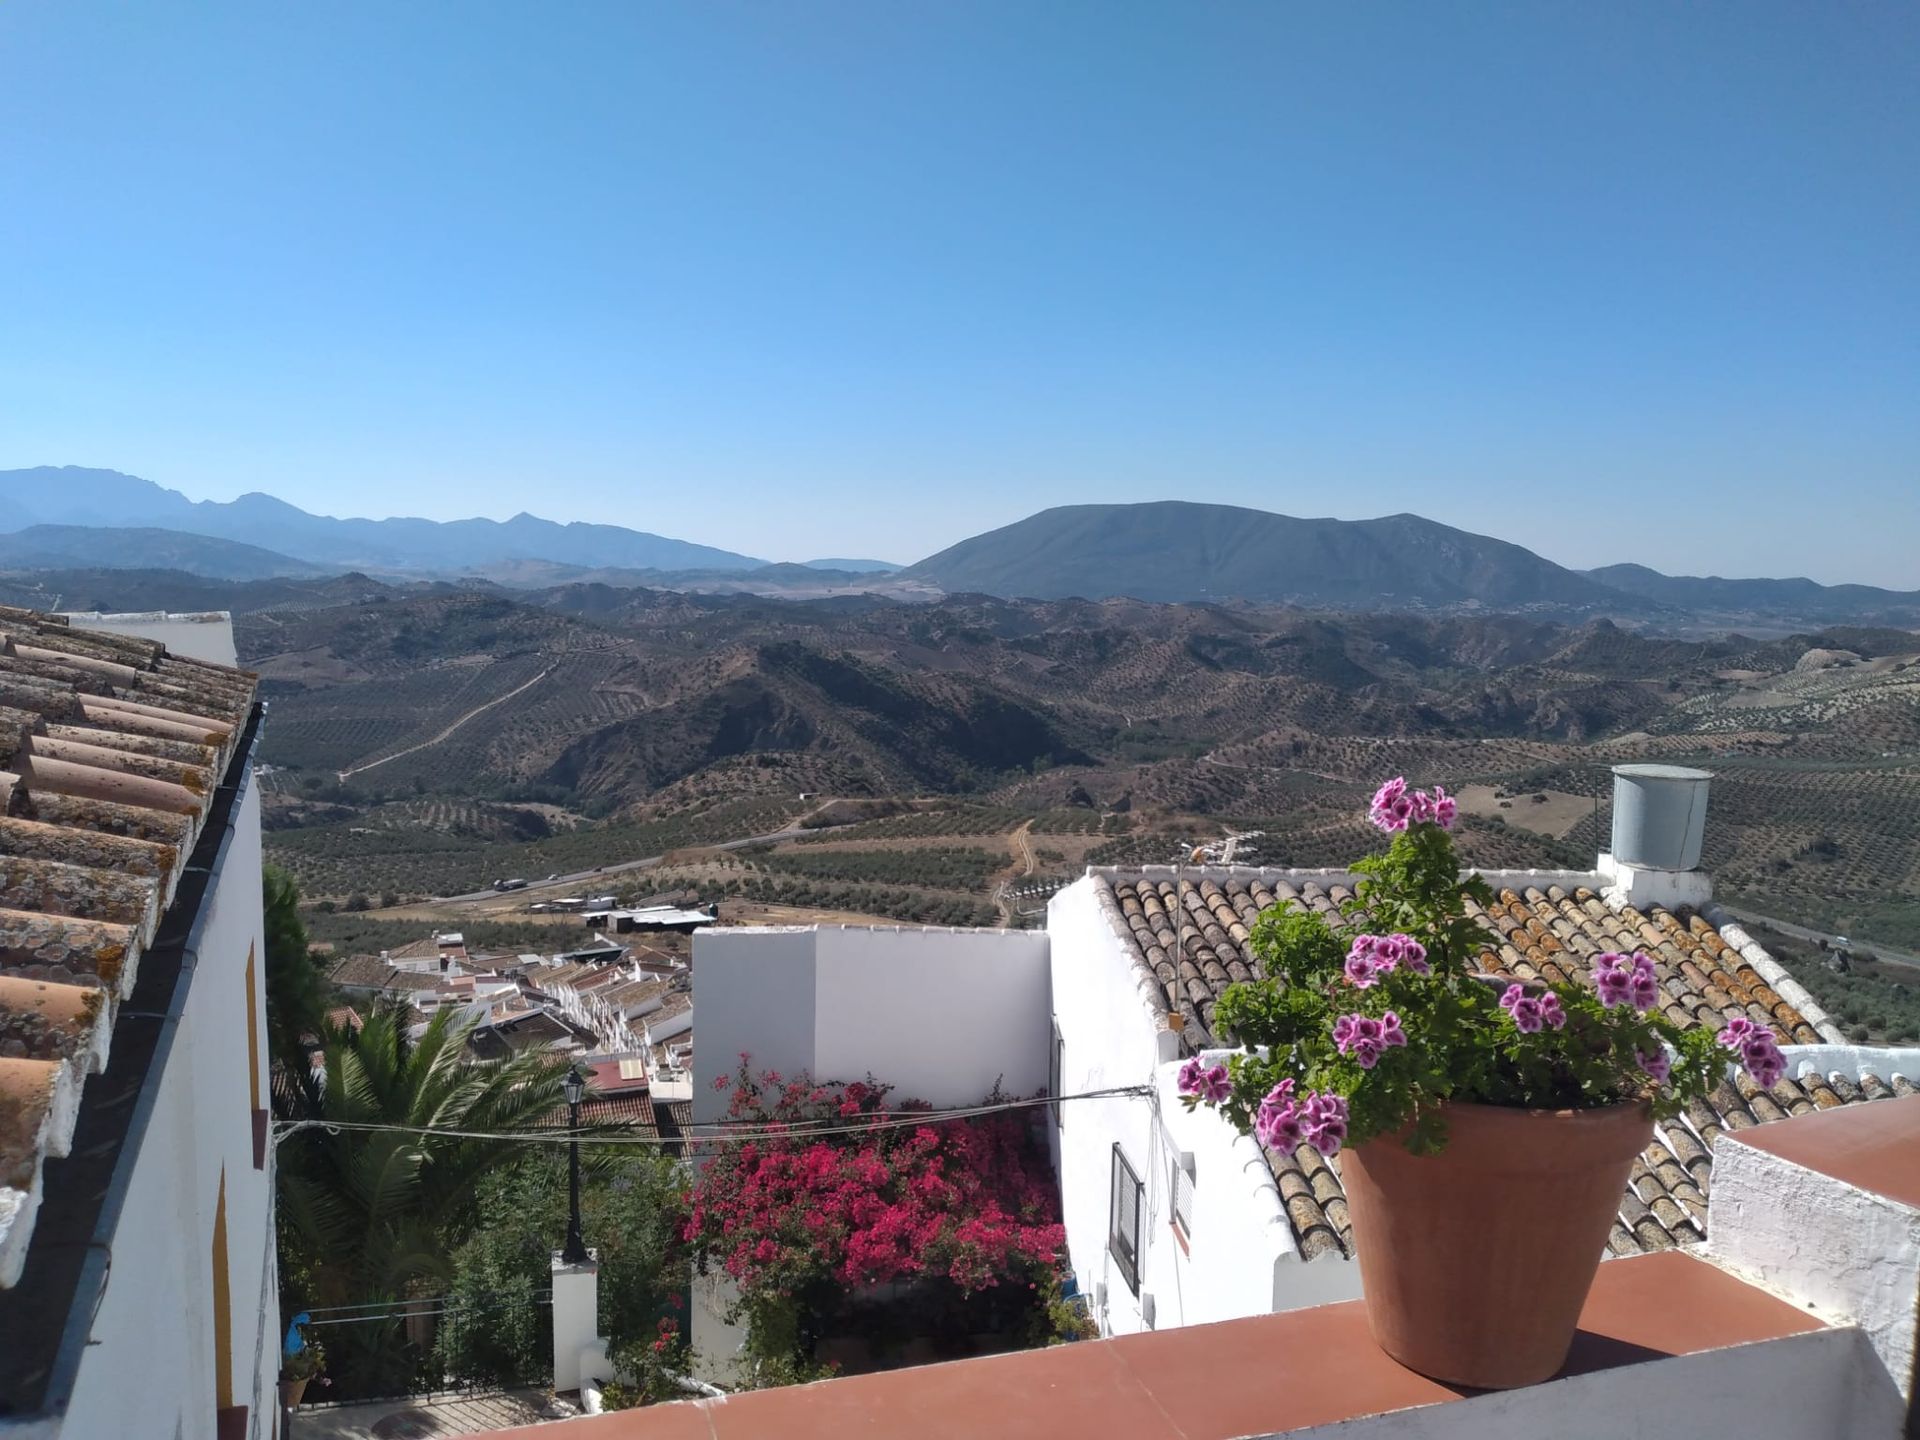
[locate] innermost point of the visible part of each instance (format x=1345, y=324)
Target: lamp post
x=574, y=1085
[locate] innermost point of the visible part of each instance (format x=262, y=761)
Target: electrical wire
x=722, y=1132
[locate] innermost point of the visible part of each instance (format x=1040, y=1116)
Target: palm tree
x=369, y=1215
x=297, y=992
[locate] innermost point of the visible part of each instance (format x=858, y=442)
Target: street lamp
x=574, y=1085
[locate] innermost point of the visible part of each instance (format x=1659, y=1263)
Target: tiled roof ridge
x=1777, y=975
x=111, y=750
x=1151, y=995
x=1537, y=916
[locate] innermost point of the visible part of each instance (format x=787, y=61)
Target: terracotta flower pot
x=292, y=1392
x=1476, y=1261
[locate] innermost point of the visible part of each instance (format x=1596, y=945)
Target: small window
x=1180, y=1188
x=1057, y=1073
x=1123, y=1220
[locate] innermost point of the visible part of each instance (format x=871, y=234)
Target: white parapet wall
x=199, y=635
x=1813, y=1226
x=942, y=1015
x=1773, y=972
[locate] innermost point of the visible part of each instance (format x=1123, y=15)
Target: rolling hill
x=1796, y=599
x=1175, y=550
x=60, y=547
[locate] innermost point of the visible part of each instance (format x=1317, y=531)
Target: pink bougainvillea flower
x=1658, y=1064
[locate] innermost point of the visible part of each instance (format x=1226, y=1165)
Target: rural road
x=577, y=877
x=1022, y=847
x=1801, y=932
x=353, y=770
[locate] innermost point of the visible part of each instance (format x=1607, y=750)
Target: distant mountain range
x=72, y=495
x=1799, y=599
x=1166, y=551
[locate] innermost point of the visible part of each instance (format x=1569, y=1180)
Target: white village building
x=1174, y=1218
x=138, y=1292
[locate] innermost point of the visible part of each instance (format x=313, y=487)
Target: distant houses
x=606, y=1002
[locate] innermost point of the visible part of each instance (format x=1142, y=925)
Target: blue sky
x=1616, y=281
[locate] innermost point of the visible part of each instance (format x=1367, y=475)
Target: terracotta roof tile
x=1189, y=945
x=1192, y=944
x=110, y=752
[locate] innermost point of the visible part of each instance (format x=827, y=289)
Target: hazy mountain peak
x=77, y=495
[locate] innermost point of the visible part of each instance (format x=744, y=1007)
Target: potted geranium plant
x=1485, y=1129
x=299, y=1370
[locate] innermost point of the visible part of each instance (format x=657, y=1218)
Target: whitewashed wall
x=1238, y=1258
x=1111, y=1038
x=205, y=635
x=941, y=1015
x=150, y=1368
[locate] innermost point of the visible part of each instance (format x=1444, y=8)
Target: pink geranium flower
x=1523, y=1009
x=1325, y=1123
x=1191, y=1076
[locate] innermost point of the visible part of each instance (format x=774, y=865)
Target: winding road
x=353, y=770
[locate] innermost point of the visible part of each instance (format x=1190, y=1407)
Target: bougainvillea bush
x=1368, y=1025
x=833, y=1192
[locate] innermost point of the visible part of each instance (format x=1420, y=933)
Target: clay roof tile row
x=111, y=749
x=1188, y=939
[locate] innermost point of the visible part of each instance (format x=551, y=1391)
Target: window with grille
x=1123, y=1220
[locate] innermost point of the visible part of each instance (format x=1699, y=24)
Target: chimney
x=1659, y=817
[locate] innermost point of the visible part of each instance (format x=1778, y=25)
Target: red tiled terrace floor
x=1206, y=1382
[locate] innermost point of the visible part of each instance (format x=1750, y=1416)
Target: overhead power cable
x=721, y=1132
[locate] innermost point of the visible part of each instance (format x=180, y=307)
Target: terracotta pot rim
x=1508, y=1139
x=1573, y=1117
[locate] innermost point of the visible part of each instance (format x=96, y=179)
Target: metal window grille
x=1123, y=1223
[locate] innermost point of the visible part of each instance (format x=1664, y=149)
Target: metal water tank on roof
x=1659, y=815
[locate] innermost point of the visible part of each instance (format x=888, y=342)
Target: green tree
x=376, y=1195
x=494, y=1331
x=297, y=993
